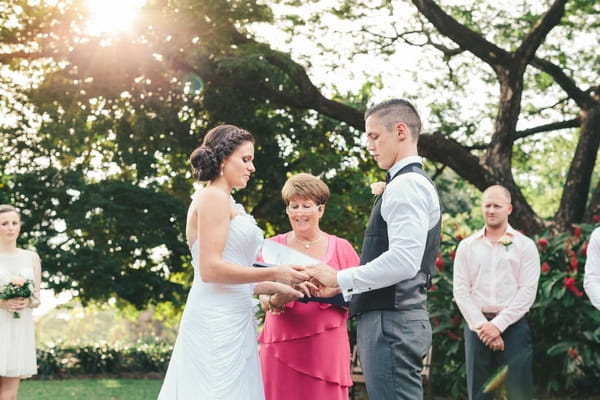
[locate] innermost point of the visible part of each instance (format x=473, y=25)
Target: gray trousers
x=391, y=347
x=482, y=363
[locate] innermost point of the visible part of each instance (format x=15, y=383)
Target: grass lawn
x=90, y=389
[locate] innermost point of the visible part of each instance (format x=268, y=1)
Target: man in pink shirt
x=496, y=273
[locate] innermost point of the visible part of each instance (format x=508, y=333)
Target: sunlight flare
x=112, y=16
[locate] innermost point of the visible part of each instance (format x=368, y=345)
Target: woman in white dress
x=17, y=339
x=215, y=354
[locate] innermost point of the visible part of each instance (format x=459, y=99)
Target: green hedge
x=101, y=359
x=564, y=324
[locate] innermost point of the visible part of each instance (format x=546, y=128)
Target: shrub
x=61, y=361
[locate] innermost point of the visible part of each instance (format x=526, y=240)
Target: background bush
x=101, y=359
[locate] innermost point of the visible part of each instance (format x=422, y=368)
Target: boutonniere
x=506, y=241
x=377, y=188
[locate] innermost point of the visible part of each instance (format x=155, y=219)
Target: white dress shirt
x=410, y=207
x=492, y=277
x=591, y=280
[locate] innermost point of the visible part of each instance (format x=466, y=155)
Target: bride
x=215, y=354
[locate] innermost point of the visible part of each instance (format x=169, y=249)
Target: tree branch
x=539, y=32
x=553, y=126
x=441, y=148
x=581, y=98
x=460, y=34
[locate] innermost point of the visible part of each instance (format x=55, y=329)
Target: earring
x=221, y=171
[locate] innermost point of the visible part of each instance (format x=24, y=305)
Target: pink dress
x=305, y=352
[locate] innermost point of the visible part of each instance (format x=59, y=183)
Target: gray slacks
x=391, y=347
x=482, y=363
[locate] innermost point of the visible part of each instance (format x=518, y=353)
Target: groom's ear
x=401, y=131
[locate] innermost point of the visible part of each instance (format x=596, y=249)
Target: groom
x=388, y=291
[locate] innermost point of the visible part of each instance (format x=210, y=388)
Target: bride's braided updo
x=218, y=144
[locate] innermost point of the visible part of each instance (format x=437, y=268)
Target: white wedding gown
x=215, y=354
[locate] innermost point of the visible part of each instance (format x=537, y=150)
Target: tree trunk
x=575, y=193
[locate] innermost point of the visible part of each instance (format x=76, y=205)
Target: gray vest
x=407, y=294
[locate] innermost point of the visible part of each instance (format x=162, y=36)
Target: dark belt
x=490, y=315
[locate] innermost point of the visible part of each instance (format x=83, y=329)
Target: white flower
x=377, y=188
x=506, y=241
x=17, y=281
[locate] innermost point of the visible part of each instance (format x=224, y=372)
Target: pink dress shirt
x=492, y=277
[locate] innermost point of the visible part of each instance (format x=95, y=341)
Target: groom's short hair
x=393, y=111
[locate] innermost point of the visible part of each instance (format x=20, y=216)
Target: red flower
x=584, y=247
x=543, y=242
x=569, y=281
x=574, y=262
x=577, y=232
x=572, y=353
x=569, y=250
x=596, y=218
x=459, y=237
x=439, y=263
x=432, y=288
x=452, y=255
x=452, y=335
x=545, y=267
x=456, y=320
x=570, y=285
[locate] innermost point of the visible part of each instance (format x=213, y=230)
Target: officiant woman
x=304, y=347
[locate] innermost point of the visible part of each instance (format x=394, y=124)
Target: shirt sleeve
x=527, y=282
x=410, y=207
x=461, y=288
x=591, y=280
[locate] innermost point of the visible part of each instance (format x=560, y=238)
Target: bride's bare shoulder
x=213, y=200
x=209, y=195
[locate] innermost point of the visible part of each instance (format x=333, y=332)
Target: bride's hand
x=15, y=304
x=283, y=294
x=308, y=288
x=290, y=274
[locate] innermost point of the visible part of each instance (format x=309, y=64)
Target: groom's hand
x=324, y=274
x=324, y=291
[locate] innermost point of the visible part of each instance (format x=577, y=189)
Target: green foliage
x=109, y=189
x=541, y=178
x=448, y=369
x=565, y=326
x=102, y=359
x=103, y=239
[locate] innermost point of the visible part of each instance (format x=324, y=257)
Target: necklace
x=305, y=243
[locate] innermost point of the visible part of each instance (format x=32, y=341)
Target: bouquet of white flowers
x=17, y=287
